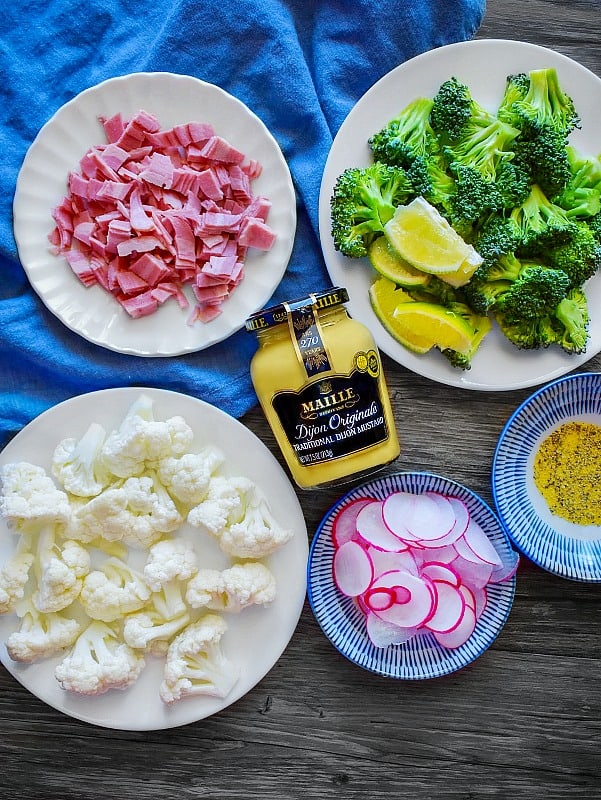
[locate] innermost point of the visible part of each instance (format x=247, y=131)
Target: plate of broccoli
x=501, y=138
x=152, y=558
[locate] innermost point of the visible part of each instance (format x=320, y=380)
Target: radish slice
x=440, y=572
x=450, y=608
x=373, y=531
x=418, y=604
x=344, y=528
x=383, y=634
x=385, y=561
x=462, y=515
x=420, y=516
x=507, y=568
x=475, y=574
x=352, y=569
x=475, y=598
x=380, y=599
x=480, y=544
x=468, y=596
x=442, y=555
x=461, y=633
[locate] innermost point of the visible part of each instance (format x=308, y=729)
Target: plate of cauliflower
x=152, y=558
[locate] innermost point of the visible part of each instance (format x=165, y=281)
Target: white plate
x=41, y=184
x=483, y=65
x=255, y=638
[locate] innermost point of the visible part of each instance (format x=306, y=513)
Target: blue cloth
x=300, y=65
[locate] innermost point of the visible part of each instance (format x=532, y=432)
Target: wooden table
x=523, y=721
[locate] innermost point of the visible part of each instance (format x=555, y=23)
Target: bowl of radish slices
x=411, y=575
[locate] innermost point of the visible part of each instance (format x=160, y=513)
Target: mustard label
x=333, y=417
x=307, y=338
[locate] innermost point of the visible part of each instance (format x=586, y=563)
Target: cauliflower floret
x=77, y=464
x=114, y=590
x=41, y=635
x=187, y=477
x=99, y=661
x=30, y=495
x=151, y=631
x=195, y=663
x=137, y=513
x=59, y=569
x=141, y=441
x=170, y=560
x=257, y=533
x=232, y=589
x=14, y=576
x=223, y=504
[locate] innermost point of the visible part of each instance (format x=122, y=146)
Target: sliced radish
x=468, y=596
x=507, y=568
x=475, y=573
x=440, y=572
x=479, y=542
x=385, y=561
x=450, y=608
x=344, y=527
x=373, y=531
x=462, y=515
x=418, y=515
x=384, y=634
x=418, y=605
x=443, y=555
x=380, y=599
x=461, y=633
x=352, y=569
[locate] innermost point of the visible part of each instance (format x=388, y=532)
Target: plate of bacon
x=154, y=213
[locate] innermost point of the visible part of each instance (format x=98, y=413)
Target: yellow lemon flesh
x=422, y=236
x=441, y=327
x=385, y=260
x=385, y=297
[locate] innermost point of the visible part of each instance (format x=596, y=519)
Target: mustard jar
x=318, y=377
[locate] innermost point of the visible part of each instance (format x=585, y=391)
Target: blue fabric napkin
x=300, y=65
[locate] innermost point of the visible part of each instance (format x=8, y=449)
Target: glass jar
x=319, y=379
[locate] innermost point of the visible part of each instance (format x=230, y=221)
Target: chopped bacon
x=151, y=211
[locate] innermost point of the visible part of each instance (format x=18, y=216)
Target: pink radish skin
x=373, y=531
x=424, y=517
x=380, y=599
x=440, y=572
x=461, y=633
x=450, y=608
x=385, y=561
x=480, y=544
x=352, y=569
x=344, y=528
x=475, y=574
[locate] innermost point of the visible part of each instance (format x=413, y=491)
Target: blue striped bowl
x=344, y=624
x=556, y=545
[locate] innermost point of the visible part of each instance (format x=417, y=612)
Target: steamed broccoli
x=452, y=108
x=545, y=104
x=363, y=201
x=480, y=325
x=541, y=222
x=543, y=156
x=536, y=291
x=581, y=195
x=579, y=256
x=406, y=137
x=516, y=88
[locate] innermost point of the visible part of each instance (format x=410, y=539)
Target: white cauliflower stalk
x=222, y=505
x=141, y=442
x=196, y=664
x=59, y=568
x=99, y=661
x=149, y=630
x=232, y=589
x=138, y=513
x=77, y=464
x=30, y=495
x=41, y=635
x=113, y=591
x=14, y=576
x=187, y=478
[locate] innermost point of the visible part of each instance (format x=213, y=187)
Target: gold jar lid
x=275, y=315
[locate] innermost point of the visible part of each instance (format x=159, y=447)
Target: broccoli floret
x=543, y=156
x=573, y=318
x=536, y=291
x=496, y=237
x=516, y=88
x=362, y=202
x=594, y=225
x=434, y=291
x=406, y=137
x=431, y=181
x=528, y=334
x=581, y=196
x=579, y=257
x=452, y=108
x=545, y=104
x=541, y=222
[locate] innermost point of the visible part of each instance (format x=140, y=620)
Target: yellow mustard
x=319, y=379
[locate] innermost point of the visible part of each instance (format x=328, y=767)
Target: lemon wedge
x=436, y=324
x=385, y=297
x=387, y=262
x=422, y=236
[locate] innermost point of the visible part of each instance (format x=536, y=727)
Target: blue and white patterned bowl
x=344, y=624
x=558, y=546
